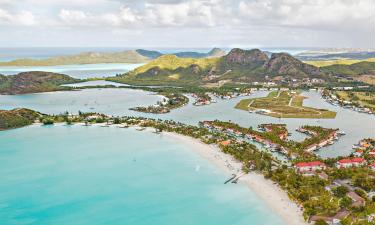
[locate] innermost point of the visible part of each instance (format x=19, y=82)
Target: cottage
x=372, y=166
x=225, y=143
x=305, y=167
x=347, y=163
x=357, y=200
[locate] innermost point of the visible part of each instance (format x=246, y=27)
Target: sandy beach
x=273, y=196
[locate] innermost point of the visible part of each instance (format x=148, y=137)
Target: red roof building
x=354, y=162
x=304, y=167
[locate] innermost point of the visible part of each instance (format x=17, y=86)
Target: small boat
x=141, y=129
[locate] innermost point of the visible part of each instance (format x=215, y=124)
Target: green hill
x=131, y=56
x=17, y=118
x=356, y=69
x=237, y=66
x=34, y=82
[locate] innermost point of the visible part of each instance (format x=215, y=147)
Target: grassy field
x=172, y=62
x=338, y=61
x=284, y=105
x=365, y=99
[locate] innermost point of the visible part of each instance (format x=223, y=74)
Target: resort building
x=306, y=167
x=358, y=201
x=348, y=163
x=225, y=143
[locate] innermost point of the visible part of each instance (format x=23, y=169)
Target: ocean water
x=118, y=101
x=94, y=175
x=77, y=71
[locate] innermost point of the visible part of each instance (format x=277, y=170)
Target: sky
x=187, y=23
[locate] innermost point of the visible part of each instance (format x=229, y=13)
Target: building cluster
x=333, y=99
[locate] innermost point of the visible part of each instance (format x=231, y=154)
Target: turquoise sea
x=95, y=175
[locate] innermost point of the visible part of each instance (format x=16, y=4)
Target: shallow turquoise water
x=94, y=175
x=78, y=71
x=118, y=101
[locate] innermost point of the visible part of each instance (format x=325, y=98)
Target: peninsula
x=283, y=104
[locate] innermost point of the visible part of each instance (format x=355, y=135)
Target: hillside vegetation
x=34, y=82
x=361, y=68
x=83, y=58
x=237, y=66
x=322, y=63
x=15, y=118
x=131, y=56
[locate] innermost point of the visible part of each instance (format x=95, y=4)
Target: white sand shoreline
x=275, y=198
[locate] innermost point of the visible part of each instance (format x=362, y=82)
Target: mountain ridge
x=238, y=65
x=128, y=56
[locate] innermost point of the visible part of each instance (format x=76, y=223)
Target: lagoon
x=81, y=71
x=117, y=101
x=94, y=175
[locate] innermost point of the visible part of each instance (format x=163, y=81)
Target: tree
x=340, y=191
x=321, y=222
x=345, y=202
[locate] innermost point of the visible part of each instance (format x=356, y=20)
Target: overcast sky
x=188, y=23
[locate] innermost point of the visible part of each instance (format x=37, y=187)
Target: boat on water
x=141, y=129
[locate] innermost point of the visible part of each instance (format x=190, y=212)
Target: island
x=34, y=82
x=283, y=104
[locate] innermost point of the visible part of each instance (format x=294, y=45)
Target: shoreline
x=274, y=197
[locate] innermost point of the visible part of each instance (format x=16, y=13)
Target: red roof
x=315, y=163
x=309, y=164
x=372, y=165
x=354, y=160
x=343, y=161
x=358, y=160
x=302, y=164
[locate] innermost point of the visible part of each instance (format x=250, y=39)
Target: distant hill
x=356, y=69
x=131, y=56
x=34, y=82
x=336, y=54
x=215, y=52
x=238, y=66
x=17, y=118
x=149, y=54
x=83, y=58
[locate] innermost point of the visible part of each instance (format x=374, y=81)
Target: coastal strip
x=275, y=198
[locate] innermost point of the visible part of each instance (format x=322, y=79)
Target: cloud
x=21, y=18
x=309, y=13
x=245, y=22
